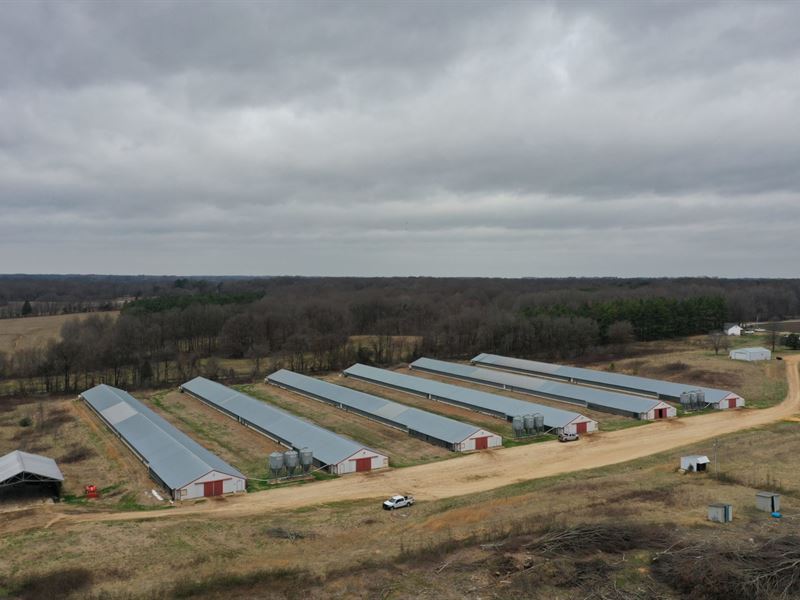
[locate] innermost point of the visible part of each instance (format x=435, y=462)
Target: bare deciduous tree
x=718, y=341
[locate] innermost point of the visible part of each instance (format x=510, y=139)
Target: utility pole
x=716, y=461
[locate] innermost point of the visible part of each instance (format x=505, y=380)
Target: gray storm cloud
x=512, y=139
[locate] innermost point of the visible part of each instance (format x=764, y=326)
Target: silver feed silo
x=291, y=459
x=538, y=423
x=529, y=423
x=276, y=463
x=701, y=398
x=518, y=425
x=306, y=458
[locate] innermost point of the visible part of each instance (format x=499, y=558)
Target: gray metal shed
x=720, y=513
x=492, y=404
x=768, y=502
x=453, y=435
x=175, y=460
x=339, y=454
x=597, y=399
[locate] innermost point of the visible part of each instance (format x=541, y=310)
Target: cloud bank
x=505, y=139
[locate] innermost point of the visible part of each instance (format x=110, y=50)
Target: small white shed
x=694, y=463
x=732, y=329
x=750, y=354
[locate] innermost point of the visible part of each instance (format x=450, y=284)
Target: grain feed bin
x=291, y=459
x=276, y=463
x=306, y=459
x=768, y=502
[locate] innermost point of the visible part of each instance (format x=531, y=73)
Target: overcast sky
x=368, y=138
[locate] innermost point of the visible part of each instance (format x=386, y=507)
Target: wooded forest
x=172, y=329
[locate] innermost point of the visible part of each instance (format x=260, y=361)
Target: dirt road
x=481, y=471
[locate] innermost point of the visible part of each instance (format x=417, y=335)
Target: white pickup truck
x=398, y=502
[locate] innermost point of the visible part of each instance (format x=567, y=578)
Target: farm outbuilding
x=720, y=513
x=631, y=384
x=173, y=459
x=750, y=354
x=491, y=404
x=732, y=329
x=21, y=469
x=338, y=454
x=593, y=398
x=694, y=463
x=436, y=429
x=768, y=502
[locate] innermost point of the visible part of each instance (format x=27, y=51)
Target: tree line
x=193, y=326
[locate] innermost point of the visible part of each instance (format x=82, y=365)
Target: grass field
x=33, y=332
x=452, y=548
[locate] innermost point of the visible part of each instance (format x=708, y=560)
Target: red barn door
x=363, y=464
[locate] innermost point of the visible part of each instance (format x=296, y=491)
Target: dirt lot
x=402, y=449
x=32, y=332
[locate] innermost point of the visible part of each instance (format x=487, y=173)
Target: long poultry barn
x=339, y=455
x=483, y=402
x=601, y=400
x=173, y=459
x=657, y=388
x=436, y=429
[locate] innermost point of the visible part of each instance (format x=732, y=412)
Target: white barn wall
x=572, y=427
x=724, y=404
x=671, y=411
x=468, y=444
x=348, y=465
x=195, y=489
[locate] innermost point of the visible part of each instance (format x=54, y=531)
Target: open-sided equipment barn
x=453, y=435
x=484, y=402
x=601, y=400
x=337, y=454
x=18, y=469
x=174, y=460
x=664, y=390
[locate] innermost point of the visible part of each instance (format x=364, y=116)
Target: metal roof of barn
x=575, y=394
x=482, y=401
x=407, y=417
x=327, y=447
x=666, y=389
x=175, y=458
x=17, y=462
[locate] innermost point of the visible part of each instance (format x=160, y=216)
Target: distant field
x=31, y=332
